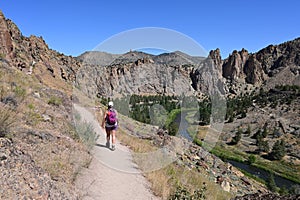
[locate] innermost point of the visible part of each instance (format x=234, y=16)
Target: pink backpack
x=111, y=117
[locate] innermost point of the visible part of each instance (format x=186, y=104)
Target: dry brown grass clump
x=7, y=120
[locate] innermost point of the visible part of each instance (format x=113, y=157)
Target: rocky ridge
x=273, y=65
x=141, y=73
x=240, y=72
x=139, y=77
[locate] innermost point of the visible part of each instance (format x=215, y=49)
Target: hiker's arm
x=103, y=120
x=117, y=115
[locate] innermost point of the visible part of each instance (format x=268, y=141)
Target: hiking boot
x=113, y=147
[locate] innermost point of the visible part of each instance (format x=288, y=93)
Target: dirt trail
x=112, y=174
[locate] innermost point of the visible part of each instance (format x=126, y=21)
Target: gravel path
x=112, y=174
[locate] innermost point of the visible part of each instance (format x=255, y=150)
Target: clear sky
x=73, y=27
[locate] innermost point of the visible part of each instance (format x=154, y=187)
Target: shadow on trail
x=102, y=145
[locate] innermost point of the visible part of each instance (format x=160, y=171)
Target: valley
x=190, y=122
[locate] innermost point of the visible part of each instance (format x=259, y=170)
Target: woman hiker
x=110, y=122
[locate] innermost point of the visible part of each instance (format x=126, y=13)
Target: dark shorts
x=111, y=128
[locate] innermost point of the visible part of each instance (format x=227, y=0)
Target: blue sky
x=73, y=27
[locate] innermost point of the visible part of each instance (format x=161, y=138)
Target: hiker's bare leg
x=113, y=135
x=108, y=135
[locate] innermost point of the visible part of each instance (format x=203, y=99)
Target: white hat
x=111, y=103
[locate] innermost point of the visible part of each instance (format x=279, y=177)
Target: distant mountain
x=97, y=57
x=273, y=65
x=104, y=58
x=177, y=58
x=151, y=74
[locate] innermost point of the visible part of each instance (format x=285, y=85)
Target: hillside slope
x=41, y=153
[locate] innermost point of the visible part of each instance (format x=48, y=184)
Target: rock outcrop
x=234, y=64
x=256, y=68
x=273, y=65
x=139, y=77
x=140, y=73
x=6, y=46
x=33, y=56
x=215, y=55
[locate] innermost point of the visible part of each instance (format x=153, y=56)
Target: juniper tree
x=278, y=150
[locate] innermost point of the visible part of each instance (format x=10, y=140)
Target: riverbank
x=279, y=168
x=285, y=173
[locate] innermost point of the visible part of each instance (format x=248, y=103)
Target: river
x=183, y=125
x=263, y=174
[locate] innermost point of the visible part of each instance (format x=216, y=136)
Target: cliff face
x=144, y=74
x=139, y=77
x=232, y=67
x=6, y=46
x=177, y=73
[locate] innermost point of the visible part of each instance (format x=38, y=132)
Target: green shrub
x=180, y=193
x=31, y=106
x=2, y=56
x=183, y=193
x=33, y=118
x=173, y=129
x=85, y=132
x=248, y=131
x=271, y=183
x=198, y=142
x=251, y=159
x=56, y=101
x=263, y=145
x=20, y=92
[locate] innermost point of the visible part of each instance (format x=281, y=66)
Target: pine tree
x=265, y=132
x=263, y=146
x=278, y=150
x=248, y=131
x=237, y=137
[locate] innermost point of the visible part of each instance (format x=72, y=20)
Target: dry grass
x=59, y=153
x=64, y=159
x=137, y=145
x=7, y=120
x=165, y=180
